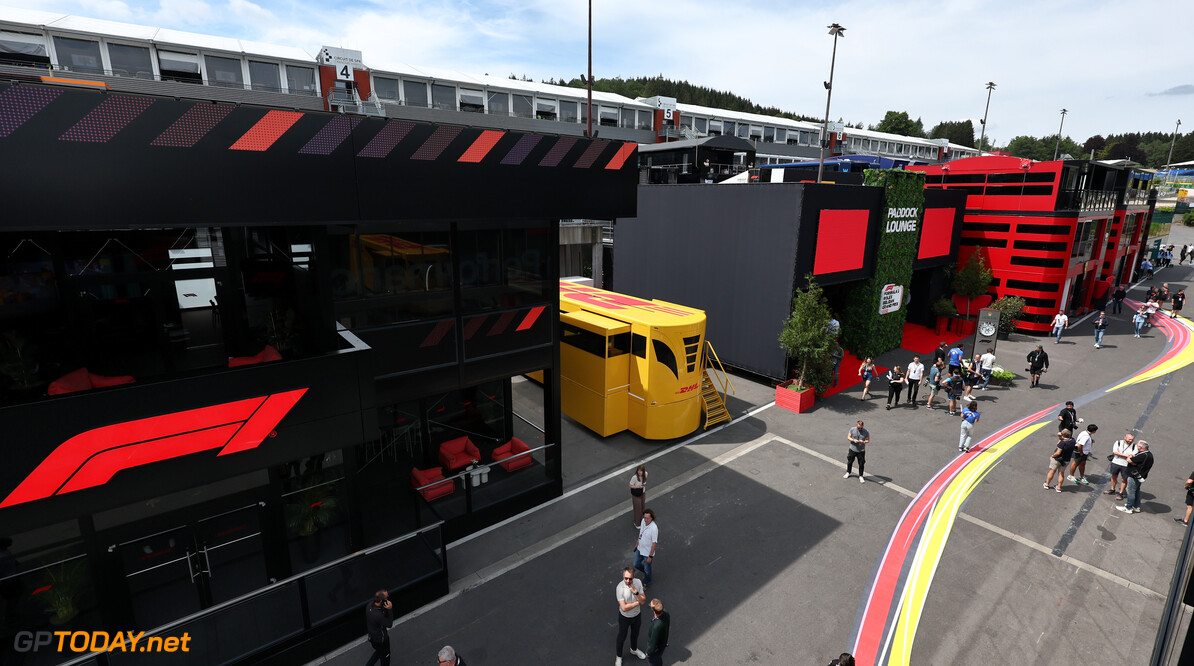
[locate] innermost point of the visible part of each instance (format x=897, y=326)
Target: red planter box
x=793, y=401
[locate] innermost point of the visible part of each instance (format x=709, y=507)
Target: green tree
x=1029, y=147
x=806, y=338
x=1094, y=143
x=898, y=122
x=960, y=132
x=973, y=279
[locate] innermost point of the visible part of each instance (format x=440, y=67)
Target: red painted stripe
x=267, y=130
x=529, y=320
x=470, y=329
x=437, y=334
x=502, y=323
x=621, y=156
x=482, y=146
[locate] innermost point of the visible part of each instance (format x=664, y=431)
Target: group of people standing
x=949, y=373
x=631, y=593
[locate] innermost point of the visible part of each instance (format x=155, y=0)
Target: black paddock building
x=241, y=347
x=741, y=251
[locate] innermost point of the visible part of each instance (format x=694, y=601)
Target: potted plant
x=945, y=310
x=1001, y=377
x=310, y=513
x=807, y=338
x=17, y=361
x=1011, y=310
x=970, y=290
x=63, y=583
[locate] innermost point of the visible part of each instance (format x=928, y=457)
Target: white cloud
x=114, y=10
x=172, y=13
x=251, y=12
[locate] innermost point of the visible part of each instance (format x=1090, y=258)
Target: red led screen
x=841, y=241
x=936, y=233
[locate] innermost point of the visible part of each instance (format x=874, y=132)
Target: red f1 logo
x=91, y=458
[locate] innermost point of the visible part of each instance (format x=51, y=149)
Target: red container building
x=1058, y=234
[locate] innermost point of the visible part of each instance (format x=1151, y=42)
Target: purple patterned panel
x=558, y=151
x=112, y=115
x=436, y=144
x=330, y=137
x=591, y=155
x=386, y=139
x=192, y=126
x=521, y=149
x=20, y=103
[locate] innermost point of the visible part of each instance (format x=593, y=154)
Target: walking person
x=448, y=656
x=836, y=357
x=631, y=598
x=1117, y=299
x=1121, y=451
x=1138, y=466
x=638, y=493
x=859, y=437
x=657, y=633
x=1189, y=481
x=867, y=372
x=1146, y=267
x=1060, y=458
x=379, y=616
x=895, y=385
x=1150, y=310
x=1138, y=321
x=954, y=384
x=1067, y=418
x=936, y=374
x=970, y=416
x=986, y=365
x=1038, y=364
x=972, y=377
x=644, y=548
x=1060, y=323
x=1179, y=299
x=916, y=373
x=1100, y=328
x=1185, y=253
x=1082, y=453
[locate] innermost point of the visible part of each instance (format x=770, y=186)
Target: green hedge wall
x=864, y=331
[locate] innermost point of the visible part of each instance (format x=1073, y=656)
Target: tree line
x=1148, y=148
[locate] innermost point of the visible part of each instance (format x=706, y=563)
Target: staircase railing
x=720, y=374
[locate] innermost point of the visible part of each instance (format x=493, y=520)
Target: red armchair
x=82, y=380
x=264, y=356
x=457, y=453
x=423, y=477
x=510, y=449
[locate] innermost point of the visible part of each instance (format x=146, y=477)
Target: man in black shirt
x=1038, y=362
x=1067, y=418
x=1117, y=299
x=941, y=353
x=379, y=615
x=657, y=633
x=1060, y=458
x=1138, y=467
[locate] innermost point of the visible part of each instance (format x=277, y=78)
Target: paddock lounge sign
x=902, y=219
x=890, y=299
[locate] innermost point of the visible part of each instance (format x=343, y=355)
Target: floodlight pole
x=982, y=137
x=1169, y=160
x=837, y=31
x=1057, y=145
x=589, y=80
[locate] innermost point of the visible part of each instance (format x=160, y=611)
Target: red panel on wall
x=841, y=241
x=936, y=232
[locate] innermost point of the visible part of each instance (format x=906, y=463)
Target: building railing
x=1137, y=197
x=53, y=70
x=284, y=610
x=1087, y=199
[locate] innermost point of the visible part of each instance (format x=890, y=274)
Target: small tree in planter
x=944, y=308
x=972, y=280
x=1011, y=310
x=806, y=338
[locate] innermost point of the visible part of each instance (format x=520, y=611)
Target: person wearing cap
x=1038, y=362
x=1082, y=453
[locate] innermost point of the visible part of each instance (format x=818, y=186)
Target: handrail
x=1169, y=630
x=727, y=382
x=466, y=472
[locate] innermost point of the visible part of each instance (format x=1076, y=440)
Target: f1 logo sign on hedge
x=91, y=459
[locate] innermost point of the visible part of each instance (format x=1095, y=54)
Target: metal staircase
x=711, y=397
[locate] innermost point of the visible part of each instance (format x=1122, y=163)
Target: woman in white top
x=638, y=493
x=916, y=371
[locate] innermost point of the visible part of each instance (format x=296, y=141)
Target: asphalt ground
x=766, y=551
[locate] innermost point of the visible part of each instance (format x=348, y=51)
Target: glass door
x=233, y=553
x=161, y=573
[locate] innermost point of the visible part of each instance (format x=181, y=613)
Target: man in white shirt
x=986, y=364
x=644, y=549
x=1120, y=452
x=1060, y=323
x=916, y=372
x=631, y=598
x=1082, y=454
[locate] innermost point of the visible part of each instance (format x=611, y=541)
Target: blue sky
x=1108, y=63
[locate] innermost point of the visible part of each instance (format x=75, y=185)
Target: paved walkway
x=767, y=555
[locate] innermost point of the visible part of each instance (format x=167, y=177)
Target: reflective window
x=743, y=131
x=523, y=107
x=265, y=76
x=23, y=47
x=545, y=109
x=443, y=97
x=730, y=128
x=300, y=80
x=79, y=55
x=499, y=103
x=316, y=509
x=644, y=120
x=609, y=117
x=701, y=124
x=627, y=118
x=769, y=135
x=472, y=101
x=414, y=93
x=568, y=111
x=224, y=72
x=386, y=88
x=130, y=61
